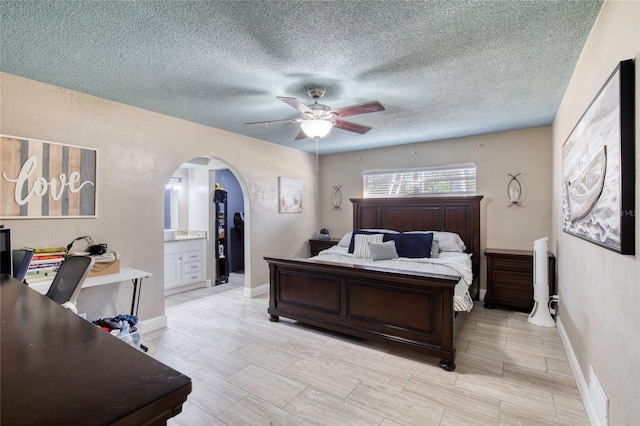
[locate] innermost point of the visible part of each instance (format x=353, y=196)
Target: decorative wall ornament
x=598, y=167
x=514, y=190
x=336, y=197
x=289, y=195
x=46, y=179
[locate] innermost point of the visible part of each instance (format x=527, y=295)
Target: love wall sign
x=46, y=179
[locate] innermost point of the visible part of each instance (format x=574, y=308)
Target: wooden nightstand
x=510, y=278
x=317, y=246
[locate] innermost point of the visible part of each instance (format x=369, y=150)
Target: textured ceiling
x=442, y=69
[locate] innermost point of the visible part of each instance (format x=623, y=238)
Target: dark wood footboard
x=413, y=310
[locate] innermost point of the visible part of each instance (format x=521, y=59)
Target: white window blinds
x=453, y=179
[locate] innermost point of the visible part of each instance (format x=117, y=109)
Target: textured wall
x=137, y=153
x=496, y=155
x=599, y=289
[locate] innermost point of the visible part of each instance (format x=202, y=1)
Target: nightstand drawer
x=316, y=246
x=517, y=277
x=512, y=291
x=503, y=263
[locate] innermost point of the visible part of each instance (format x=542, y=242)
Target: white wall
x=138, y=151
x=182, y=198
x=497, y=155
x=198, y=199
x=600, y=289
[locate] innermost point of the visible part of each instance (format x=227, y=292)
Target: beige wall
x=600, y=289
x=138, y=151
x=497, y=155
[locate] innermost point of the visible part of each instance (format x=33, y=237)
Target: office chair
x=69, y=278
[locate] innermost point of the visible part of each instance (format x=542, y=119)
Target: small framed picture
x=289, y=195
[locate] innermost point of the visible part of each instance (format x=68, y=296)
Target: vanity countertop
x=187, y=234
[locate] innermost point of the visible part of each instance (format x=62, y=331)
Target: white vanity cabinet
x=184, y=263
x=172, y=268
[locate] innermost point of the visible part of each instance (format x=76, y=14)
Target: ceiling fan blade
x=291, y=120
x=351, y=127
x=296, y=104
x=363, y=108
x=301, y=135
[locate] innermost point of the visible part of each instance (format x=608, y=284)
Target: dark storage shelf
x=222, y=239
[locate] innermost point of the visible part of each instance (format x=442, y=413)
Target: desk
x=125, y=274
x=60, y=369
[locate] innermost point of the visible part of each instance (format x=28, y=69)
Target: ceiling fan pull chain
x=317, y=161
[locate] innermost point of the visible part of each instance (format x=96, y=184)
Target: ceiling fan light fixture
x=316, y=128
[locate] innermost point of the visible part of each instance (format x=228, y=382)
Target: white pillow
x=449, y=241
x=383, y=251
x=361, y=244
x=346, y=240
x=435, y=249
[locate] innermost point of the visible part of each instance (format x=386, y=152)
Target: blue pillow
x=411, y=245
x=359, y=231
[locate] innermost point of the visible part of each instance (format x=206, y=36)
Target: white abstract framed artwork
x=598, y=167
x=289, y=195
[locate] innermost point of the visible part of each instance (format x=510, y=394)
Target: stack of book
x=45, y=263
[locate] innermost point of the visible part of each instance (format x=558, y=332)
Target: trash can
x=123, y=327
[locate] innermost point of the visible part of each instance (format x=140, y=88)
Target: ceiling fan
x=317, y=120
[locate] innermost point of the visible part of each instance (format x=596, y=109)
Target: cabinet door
x=172, y=270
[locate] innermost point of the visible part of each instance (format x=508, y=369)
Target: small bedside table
x=317, y=246
x=510, y=278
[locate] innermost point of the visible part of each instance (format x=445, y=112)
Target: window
x=452, y=179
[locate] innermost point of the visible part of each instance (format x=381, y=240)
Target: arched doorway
x=190, y=211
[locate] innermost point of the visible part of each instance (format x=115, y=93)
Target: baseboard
x=581, y=381
x=181, y=289
x=256, y=291
x=152, y=324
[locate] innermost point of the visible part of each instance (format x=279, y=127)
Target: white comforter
x=448, y=263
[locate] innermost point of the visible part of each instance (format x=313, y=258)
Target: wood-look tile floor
x=247, y=370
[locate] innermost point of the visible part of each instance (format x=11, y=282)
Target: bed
x=407, y=308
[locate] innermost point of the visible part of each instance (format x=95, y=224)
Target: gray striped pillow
x=361, y=244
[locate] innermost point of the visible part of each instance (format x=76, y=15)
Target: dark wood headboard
x=453, y=214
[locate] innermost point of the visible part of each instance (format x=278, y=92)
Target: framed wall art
x=46, y=179
x=289, y=195
x=598, y=167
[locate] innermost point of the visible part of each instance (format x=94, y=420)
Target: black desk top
x=60, y=369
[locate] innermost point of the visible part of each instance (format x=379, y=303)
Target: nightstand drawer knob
x=516, y=292
x=515, y=277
